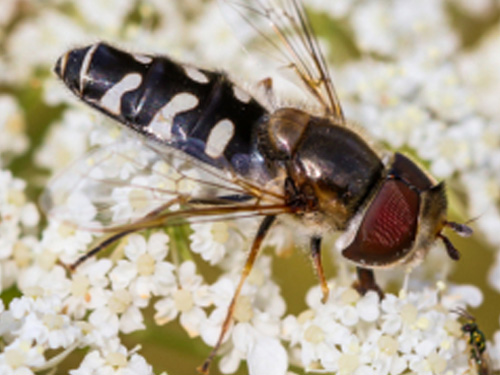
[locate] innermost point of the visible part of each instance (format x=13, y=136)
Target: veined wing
x=129, y=185
x=283, y=25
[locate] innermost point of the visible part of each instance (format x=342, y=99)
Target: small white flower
x=91, y=364
x=444, y=94
x=368, y=307
x=210, y=29
x=113, y=359
x=45, y=276
x=494, y=351
x=213, y=240
x=31, y=326
x=18, y=357
x=282, y=238
x=187, y=299
x=51, y=330
x=478, y=69
x=67, y=241
x=482, y=191
x=12, y=126
x=14, y=208
x=256, y=314
x=410, y=333
x=107, y=16
x=23, y=45
x=251, y=340
x=105, y=324
x=403, y=28
x=66, y=140
x=466, y=294
x=371, y=22
x=133, y=282
x=121, y=305
x=267, y=357
x=144, y=271
x=88, y=288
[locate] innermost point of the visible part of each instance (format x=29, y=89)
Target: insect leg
x=254, y=251
x=316, y=257
x=100, y=247
x=120, y=235
x=366, y=282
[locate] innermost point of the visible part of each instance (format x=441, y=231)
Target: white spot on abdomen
x=195, y=74
x=111, y=100
x=143, y=59
x=62, y=64
x=241, y=95
x=219, y=137
x=85, y=66
x=161, y=125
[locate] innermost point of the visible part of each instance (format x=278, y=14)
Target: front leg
x=366, y=282
x=316, y=257
x=264, y=227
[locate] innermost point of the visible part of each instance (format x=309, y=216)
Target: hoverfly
x=214, y=152
x=477, y=342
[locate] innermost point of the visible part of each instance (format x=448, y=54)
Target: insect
x=477, y=342
x=211, y=151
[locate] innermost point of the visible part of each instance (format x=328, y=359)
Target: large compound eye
x=389, y=226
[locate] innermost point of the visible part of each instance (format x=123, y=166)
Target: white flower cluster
x=12, y=125
x=413, y=88
x=360, y=335
x=18, y=223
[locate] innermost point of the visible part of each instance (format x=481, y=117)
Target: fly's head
x=403, y=219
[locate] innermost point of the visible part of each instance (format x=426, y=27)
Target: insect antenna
x=452, y=251
x=462, y=229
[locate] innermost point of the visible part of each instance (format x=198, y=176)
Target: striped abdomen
x=198, y=111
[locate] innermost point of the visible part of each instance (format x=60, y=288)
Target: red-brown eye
x=388, y=228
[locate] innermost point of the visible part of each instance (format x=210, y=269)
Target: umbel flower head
x=411, y=76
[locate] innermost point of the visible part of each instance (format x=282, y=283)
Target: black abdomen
x=197, y=111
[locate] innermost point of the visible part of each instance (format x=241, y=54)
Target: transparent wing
x=129, y=186
x=283, y=27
